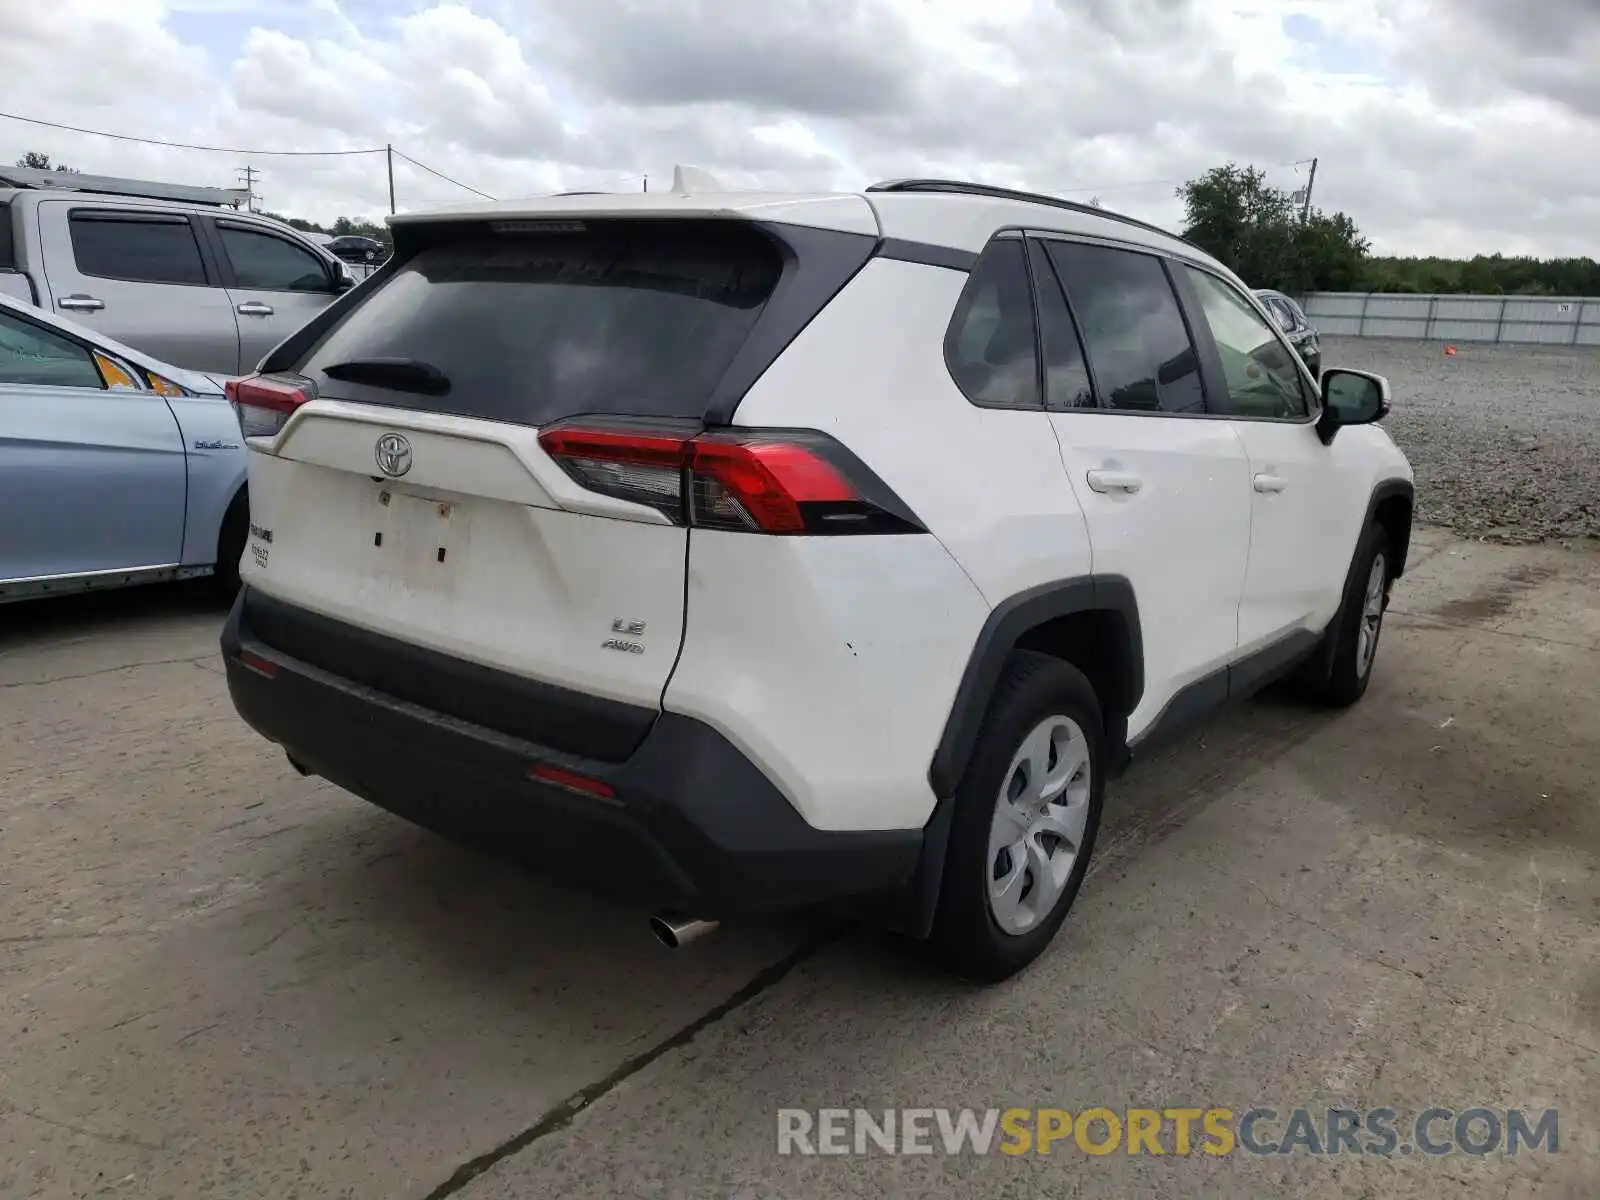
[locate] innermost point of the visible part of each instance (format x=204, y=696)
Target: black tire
x=1347, y=681
x=230, y=549
x=966, y=934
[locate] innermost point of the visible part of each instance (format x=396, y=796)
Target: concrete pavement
x=217, y=978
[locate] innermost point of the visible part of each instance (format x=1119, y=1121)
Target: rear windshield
x=635, y=318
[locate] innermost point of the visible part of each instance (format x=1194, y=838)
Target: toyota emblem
x=393, y=453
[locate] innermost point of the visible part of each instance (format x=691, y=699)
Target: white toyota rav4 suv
x=733, y=551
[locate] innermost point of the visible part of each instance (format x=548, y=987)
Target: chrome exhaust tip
x=674, y=932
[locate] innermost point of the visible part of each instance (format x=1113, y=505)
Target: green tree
x=41, y=162
x=300, y=223
x=1234, y=214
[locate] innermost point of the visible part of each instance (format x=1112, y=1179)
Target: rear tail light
x=263, y=404
x=749, y=480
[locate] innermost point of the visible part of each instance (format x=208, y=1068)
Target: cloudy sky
x=1442, y=126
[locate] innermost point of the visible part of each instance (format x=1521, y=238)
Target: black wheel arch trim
x=910, y=909
x=1388, y=489
x=1006, y=625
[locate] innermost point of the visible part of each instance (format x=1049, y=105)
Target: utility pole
x=389, y=153
x=247, y=175
x=647, y=181
x=1305, y=211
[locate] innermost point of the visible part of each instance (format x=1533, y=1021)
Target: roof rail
x=75, y=181
x=963, y=188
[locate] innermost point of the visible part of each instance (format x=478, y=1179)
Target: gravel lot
x=1505, y=440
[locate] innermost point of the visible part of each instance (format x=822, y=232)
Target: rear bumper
x=693, y=825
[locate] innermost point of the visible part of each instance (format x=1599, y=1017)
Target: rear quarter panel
x=834, y=662
x=988, y=483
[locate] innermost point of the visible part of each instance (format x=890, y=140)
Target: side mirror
x=344, y=280
x=1351, y=398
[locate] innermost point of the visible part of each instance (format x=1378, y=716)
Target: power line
x=122, y=137
x=443, y=176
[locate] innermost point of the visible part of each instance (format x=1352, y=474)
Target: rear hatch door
x=412, y=498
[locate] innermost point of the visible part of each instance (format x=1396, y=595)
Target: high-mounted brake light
x=263, y=404
x=748, y=480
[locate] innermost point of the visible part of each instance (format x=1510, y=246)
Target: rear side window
x=137, y=249
x=633, y=318
x=261, y=261
x=1132, y=329
x=990, y=347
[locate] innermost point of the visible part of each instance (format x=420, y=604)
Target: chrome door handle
x=1270, y=483
x=81, y=303
x=1114, y=481
x=254, y=308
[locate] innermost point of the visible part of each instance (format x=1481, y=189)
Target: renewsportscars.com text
x=1260, y=1131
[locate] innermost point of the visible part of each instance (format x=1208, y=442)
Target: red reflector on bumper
x=254, y=662
x=571, y=780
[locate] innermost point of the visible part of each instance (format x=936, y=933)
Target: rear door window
x=262, y=262
x=139, y=249
x=1133, y=329
x=632, y=318
x=1066, y=374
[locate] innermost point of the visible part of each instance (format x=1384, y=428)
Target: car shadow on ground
x=94, y=614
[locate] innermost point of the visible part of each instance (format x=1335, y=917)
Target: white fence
x=1538, y=320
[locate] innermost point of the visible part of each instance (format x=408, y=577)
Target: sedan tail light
x=784, y=481
x=263, y=403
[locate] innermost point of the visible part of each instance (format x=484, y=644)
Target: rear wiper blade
x=401, y=374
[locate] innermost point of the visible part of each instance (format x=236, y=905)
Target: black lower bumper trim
x=536, y=712
x=694, y=825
